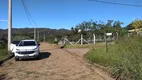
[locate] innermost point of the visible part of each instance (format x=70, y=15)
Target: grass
x=124, y=60
x=3, y=53
x=97, y=45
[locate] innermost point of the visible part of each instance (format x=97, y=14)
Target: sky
x=58, y=14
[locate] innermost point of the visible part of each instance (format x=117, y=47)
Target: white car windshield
x=16, y=42
x=27, y=43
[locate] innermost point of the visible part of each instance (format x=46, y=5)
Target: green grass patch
x=3, y=53
x=123, y=59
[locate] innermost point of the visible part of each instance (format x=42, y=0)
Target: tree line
x=86, y=28
x=102, y=27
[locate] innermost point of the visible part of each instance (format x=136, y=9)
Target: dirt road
x=55, y=64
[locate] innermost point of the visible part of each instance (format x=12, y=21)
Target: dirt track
x=55, y=64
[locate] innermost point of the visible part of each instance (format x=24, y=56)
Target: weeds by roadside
x=3, y=53
x=123, y=59
x=101, y=44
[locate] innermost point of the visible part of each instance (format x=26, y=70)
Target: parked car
x=27, y=49
x=13, y=45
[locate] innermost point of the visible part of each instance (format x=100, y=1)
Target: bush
x=124, y=59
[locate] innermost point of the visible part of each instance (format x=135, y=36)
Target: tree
x=72, y=30
x=117, y=25
x=108, y=27
x=136, y=24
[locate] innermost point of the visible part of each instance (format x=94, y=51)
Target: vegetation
x=136, y=24
x=97, y=45
x=99, y=28
x=3, y=51
x=87, y=29
x=123, y=59
x=27, y=33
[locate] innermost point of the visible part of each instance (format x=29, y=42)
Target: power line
x=29, y=12
x=29, y=17
x=25, y=8
x=115, y=3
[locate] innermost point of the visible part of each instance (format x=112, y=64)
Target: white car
x=13, y=45
x=27, y=49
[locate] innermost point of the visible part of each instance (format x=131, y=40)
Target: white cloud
x=2, y=20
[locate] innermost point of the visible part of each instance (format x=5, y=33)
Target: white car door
x=12, y=46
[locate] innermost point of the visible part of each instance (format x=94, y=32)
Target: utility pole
x=38, y=35
x=9, y=23
x=94, y=38
x=117, y=36
x=44, y=37
x=106, y=42
x=35, y=32
x=81, y=39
